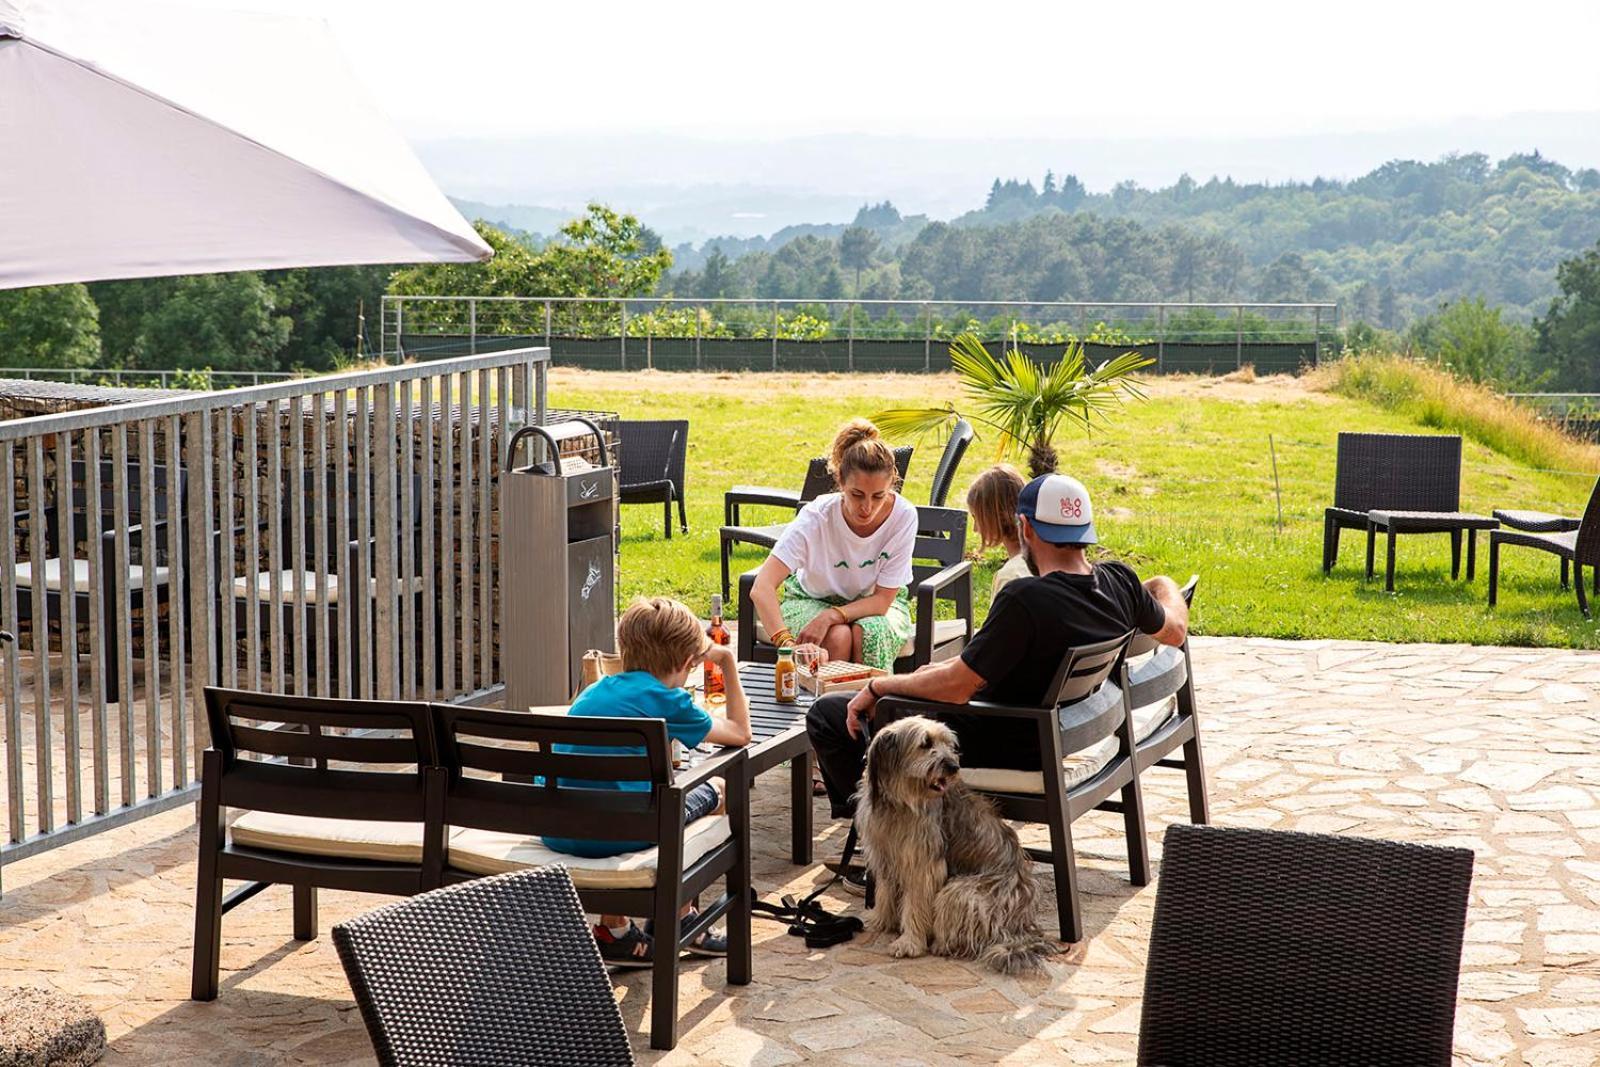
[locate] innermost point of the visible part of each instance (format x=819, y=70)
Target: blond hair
x=992, y=501
x=659, y=635
x=858, y=448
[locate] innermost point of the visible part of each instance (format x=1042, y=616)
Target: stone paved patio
x=1490, y=748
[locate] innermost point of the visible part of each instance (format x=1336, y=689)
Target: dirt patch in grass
x=1274, y=388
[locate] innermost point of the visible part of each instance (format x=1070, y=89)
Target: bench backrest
x=941, y=541
x=1588, y=545
x=652, y=449
x=475, y=742
x=1398, y=471
x=945, y=473
x=322, y=756
x=1084, y=669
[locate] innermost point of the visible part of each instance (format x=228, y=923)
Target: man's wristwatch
x=872, y=691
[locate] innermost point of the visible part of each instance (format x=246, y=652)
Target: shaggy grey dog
x=951, y=876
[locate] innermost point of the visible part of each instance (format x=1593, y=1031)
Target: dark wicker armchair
x=500, y=970
x=652, y=462
x=1275, y=948
x=1390, y=471
x=1575, y=543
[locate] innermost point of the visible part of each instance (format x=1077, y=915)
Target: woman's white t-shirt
x=831, y=561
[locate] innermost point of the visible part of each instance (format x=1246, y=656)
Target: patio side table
x=1453, y=523
x=778, y=733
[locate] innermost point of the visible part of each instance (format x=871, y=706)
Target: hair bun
x=858, y=446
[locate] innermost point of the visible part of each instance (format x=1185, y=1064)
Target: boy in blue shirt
x=661, y=642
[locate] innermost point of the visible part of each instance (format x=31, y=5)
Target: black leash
x=809, y=919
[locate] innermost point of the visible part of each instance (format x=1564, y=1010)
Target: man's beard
x=1027, y=558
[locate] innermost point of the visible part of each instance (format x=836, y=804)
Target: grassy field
x=1183, y=483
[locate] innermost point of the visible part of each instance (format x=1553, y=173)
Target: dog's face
x=912, y=761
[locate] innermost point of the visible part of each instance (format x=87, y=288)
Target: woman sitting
x=844, y=562
x=992, y=502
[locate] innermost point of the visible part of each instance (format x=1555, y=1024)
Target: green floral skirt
x=882, y=636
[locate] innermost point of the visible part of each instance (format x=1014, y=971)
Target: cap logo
x=1072, y=507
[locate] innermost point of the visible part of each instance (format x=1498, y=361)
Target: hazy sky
x=1227, y=68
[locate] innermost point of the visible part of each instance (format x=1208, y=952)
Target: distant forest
x=1392, y=246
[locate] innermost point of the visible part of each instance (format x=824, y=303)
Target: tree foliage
x=1568, y=335
x=49, y=326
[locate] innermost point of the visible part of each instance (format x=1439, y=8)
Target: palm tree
x=1023, y=401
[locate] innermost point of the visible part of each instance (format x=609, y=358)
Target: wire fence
x=856, y=335
x=171, y=378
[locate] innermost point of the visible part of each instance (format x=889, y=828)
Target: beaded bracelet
x=783, y=637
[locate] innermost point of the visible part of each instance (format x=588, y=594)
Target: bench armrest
x=725, y=763
x=757, y=495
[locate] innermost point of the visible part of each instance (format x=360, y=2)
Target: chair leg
x=1455, y=554
x=666, y=517
x=1472, y=554
x=1388, y=566
x=208, y=898
x=1372, y=541
x=683, y=519
x=1564, y=578
x=740, y=962
x=1330, y=544
x=1577, y=583
x=305, y=913
x=1494, y=570
x=1194, y=761
x=1133, y=829
x=664, y=971
x=1069, y=909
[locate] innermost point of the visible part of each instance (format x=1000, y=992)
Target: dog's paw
x=906, y=947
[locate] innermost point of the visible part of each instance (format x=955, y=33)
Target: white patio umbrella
x=138, y=141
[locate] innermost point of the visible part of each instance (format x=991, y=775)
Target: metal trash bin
x=559, y=536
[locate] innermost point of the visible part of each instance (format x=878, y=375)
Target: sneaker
x=710, y=943
x=632, y=948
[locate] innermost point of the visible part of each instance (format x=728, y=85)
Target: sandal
x=819, y=788
x=634, y=948
x=710, y=944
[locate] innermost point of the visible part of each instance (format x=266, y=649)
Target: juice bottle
x=785, y=679
x=716, y=686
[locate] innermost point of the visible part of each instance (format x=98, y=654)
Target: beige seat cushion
x=943, y=630
x=80, y=575
x=1077, y=768
x=362, y=839
x=494, y=852
x=300, y=587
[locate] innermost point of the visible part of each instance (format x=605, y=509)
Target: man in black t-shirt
x=1014, y=657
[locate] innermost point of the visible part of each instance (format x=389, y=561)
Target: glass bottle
x=716, y=686
x=785, y=679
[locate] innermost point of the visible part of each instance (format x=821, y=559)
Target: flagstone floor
x=1491, y=748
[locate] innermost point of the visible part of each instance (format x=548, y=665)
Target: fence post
x=547, y=325
x=399, y=344
x=649, y=345
x=774, y=335
x=927, y=338
x=1161, y=338
x=850, y=343
x=472, y=326
x=622, y=339
x=1316, y=351
x=697, y=338
x=1238, y=337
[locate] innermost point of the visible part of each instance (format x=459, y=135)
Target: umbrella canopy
x=138, y=141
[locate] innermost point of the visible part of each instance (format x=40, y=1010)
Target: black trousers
x=985, y=742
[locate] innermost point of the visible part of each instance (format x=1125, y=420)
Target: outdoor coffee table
x=778, y=733
x=1417, y=522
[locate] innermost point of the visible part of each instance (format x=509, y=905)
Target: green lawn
x=1182, y=483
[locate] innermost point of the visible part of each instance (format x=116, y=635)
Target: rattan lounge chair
x=1393, y=471
x=940, y=571
x=1087, y=710
x=1576, y=542
x=1273, y=948
x=497, y=971
x=652, y=459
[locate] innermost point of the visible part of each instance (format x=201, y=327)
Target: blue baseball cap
x=1059, y=509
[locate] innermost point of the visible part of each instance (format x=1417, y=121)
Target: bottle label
x=786, y=685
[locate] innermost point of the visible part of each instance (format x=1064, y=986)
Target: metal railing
x=326, y=536
x=169, y=378
x=849, y=335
